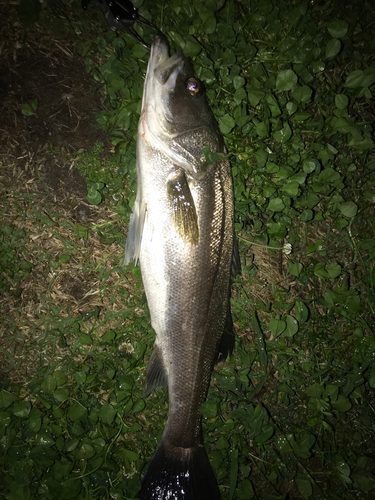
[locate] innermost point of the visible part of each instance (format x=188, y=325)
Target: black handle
x=121, y=15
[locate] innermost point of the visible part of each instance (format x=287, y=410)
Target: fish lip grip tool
x=121, y=15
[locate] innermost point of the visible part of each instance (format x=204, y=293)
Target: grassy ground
x=291, y=414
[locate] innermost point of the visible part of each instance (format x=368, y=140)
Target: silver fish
x=181, y=230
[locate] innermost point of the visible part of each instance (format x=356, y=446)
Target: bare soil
x=37, y=64
x=37, y=171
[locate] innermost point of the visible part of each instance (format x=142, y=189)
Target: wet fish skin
x=181, y=229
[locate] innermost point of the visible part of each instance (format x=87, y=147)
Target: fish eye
x=194, y=86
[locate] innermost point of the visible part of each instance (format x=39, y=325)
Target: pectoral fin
x=134, y=238
x=182, y=208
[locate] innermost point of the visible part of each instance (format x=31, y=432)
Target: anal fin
x=155, y=375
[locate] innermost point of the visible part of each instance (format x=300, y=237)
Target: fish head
x=175, y=112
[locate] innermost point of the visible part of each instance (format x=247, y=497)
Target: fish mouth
x=159, y=50
x=162, y=69
x=167, y=68
x=160, y=82
x=163, y=101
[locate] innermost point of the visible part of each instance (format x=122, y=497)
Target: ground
x=49, y=70
x=37, y=165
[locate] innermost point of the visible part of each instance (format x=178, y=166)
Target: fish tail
x=179, y=474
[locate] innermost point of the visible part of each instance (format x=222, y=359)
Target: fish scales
x=182, y=232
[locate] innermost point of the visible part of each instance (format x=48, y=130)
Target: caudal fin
x=179, y=474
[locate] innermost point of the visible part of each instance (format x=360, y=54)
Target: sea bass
x=181, y=230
